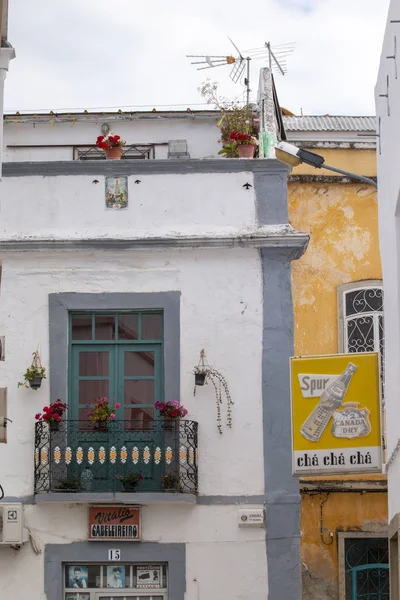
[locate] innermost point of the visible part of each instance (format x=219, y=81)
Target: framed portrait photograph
x=78, y=577
x=115, y=577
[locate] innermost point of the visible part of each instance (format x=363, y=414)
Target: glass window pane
x=128, y=327
x=139, y=363
x=152, y=327
x=105, y=327
x=139, y=392
x=366, y=300
x=89, y=391
x=361, y=334
x=77, y=576
x=93, y=363
x=82, y=327
x=138, y=418
x=115, y=576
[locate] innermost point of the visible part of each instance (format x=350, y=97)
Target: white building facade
x=120, y=273
x=387, y=94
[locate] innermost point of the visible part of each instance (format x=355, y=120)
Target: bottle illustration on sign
x=331, y=399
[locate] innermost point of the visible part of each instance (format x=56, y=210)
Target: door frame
x=342, y=536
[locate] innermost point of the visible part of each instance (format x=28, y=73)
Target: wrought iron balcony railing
x=75, y=456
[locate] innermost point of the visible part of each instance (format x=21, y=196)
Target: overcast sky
x=80, y=54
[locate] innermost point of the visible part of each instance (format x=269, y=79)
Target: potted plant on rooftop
x=111, y=144
x=239, y=125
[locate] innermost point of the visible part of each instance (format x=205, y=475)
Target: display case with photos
x=80, y=579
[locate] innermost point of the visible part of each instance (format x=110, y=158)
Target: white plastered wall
x=388, y=127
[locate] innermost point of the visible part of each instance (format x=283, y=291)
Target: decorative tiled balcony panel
x=75, y=457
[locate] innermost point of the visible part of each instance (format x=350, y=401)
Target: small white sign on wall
x=114, y=554
x=251, y=517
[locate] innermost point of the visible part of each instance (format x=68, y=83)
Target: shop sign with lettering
x=336, y=414
x=114, y=523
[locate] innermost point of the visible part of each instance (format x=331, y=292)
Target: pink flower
x=112, y=416
x=37, y=416
x=117, y=405
x=88, y=415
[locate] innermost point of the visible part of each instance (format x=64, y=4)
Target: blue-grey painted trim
x=86, y=552
x=230, y=500
x=119, y=498
x=263, y=239
x=61, y=304
x=142, y=167
x=282, y=517
x=271, y=196
x=21, y=499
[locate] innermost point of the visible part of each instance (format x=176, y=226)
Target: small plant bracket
x=220, y=388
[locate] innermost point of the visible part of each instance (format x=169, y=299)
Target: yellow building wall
x=342, y=220
x=341, y=512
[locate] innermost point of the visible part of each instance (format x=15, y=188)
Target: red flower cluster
x=240, y=137
x=108, y=141
x=171, y=409
x=100, y=410
x=52, y=413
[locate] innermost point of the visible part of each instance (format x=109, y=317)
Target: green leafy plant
x=30, y=374
x=101, y=412
x=170, y=481
x=68, y=484
x=204, y=374
x=130, y=478
x=234, y=117
x=230, y=150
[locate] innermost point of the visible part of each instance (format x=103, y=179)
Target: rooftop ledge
x=142, y=167
x=269, y=236
x=118, y=497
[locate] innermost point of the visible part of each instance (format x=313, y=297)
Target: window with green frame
x=119, y=355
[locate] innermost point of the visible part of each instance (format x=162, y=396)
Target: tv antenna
x=277, y=61
x=239, y=65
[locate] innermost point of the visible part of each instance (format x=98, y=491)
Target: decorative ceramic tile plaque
x=117, y=192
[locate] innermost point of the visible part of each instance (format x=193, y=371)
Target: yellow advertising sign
x=336, y=414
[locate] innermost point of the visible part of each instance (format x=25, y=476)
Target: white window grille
x=361, y=318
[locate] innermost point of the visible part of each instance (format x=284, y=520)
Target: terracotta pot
x=113, y=153
x=246, y=150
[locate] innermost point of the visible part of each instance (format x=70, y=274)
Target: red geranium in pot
x=111, y=144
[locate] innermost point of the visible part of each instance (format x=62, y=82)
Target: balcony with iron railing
x=75, y=461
